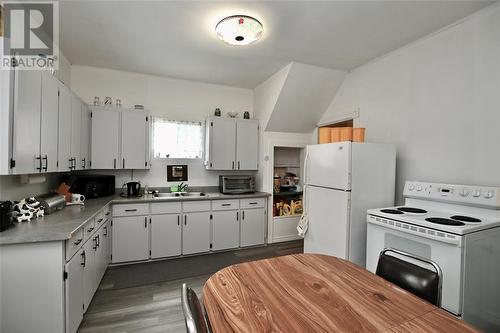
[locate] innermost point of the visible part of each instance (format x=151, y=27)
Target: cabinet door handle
x=46, y=166
x=232, y=168
x=225, y=205
x=98, y=240
x=105, y=229
x=185, y=219
x=242, y=215
x=90, y=229
x=253, y=203
x=78, y=242
x=123, y=163
x=108, y=213
x=131, y=210
x=237, y=216
x=178, y=220
x=95, y=243
x=84, y=163
x=145, y=222
x=238, y=165
x=39, y=160
x=99, y=221
x=114, y=163
x=84, y=259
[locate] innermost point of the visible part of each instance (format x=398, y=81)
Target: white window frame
x=194, y=122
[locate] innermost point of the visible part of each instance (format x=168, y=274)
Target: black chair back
x=416, y=279
x=193, y=313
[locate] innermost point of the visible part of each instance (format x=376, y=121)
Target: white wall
x=12, y=189
x=438, y=100
x=164, y=97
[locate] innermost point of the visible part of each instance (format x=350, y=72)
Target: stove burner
x=439, y=220
x=391, y=211
x=465, y=218
x=412, y=210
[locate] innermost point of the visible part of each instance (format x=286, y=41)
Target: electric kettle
x=133, y=189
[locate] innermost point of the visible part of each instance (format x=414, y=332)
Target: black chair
x=193, y=313
x=416, y=279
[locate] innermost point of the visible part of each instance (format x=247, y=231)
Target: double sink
x=179, y=194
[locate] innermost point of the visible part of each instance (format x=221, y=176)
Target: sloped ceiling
x=297, y=97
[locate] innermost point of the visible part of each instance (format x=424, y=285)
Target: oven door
x=448, y=256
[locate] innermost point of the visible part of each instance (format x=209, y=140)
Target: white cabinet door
x=107, y=232
x=76, y=123
x=85, y=138
x=100, y=255
x=134, y=140
x=225, y=229
x=196, y=233
x=247, y=144
x=26, y=143
x=74, y=292
x=89, y=272
x=64, y=129
x=253, y=226
x=222, y=144
x=130, y=238
x=166, y=235
x=49, y=118
x=105, y=139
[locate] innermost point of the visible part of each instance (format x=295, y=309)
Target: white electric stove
x=457, y=227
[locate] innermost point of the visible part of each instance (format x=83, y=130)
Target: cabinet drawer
x=99, y=219
x=88, y=229
x=130, y=210
x=165, y=208
x=253, y=203
x=74, y=243
x=195, y=206
x=225, y=204
x=107, y=212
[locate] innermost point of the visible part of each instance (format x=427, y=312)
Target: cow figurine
x=26, y=209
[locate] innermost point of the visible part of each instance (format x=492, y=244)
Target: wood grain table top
x=316, y=293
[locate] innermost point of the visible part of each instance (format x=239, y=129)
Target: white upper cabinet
x=247, y=144
x=49, y=118
x=231, y=144
x=85, y=138
x=105, y=139
x=26, y=129
x=64, y=129
x=76, y=123
x=134, y=143
x=119, y=139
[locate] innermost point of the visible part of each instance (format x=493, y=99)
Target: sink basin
x=166, y=195
x=193, y=194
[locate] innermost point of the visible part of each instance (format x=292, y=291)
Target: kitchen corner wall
x=165, y=97
x=437, y=100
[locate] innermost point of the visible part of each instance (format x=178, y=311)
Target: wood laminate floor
x=146, y=297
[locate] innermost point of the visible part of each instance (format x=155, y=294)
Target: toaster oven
x=236, y=184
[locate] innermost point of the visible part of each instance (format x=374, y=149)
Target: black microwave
x=91, y=186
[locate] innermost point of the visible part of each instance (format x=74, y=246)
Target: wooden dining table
x=316, y=293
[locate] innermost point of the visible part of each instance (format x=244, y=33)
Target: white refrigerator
x=343, y=180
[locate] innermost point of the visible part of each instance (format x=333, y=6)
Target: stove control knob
x=464, y=192
x=476, y=193
x=419, y=188
x=411, y=187
x=488, y=194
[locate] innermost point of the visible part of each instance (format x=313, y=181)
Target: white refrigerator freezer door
x=328, y=222
x=329, y=165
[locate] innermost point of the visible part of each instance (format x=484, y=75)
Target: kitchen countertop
x=60, y=225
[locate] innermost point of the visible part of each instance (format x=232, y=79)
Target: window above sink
x=177, y=139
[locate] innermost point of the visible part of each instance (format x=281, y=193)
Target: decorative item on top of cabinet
x=231, y=144
x=217, y=112
x=246, y=115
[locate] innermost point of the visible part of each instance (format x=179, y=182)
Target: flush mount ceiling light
x=239, y=30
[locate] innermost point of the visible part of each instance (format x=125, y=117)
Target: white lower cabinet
x=74, y=291
x=225, y=229
x=253, y=226
x=166, y=235
x=196, y=232
x=130, y=239
x=89, y=272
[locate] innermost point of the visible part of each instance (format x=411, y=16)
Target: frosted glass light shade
x=239, y=30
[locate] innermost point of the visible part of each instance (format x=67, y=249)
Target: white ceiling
x=176, y=38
